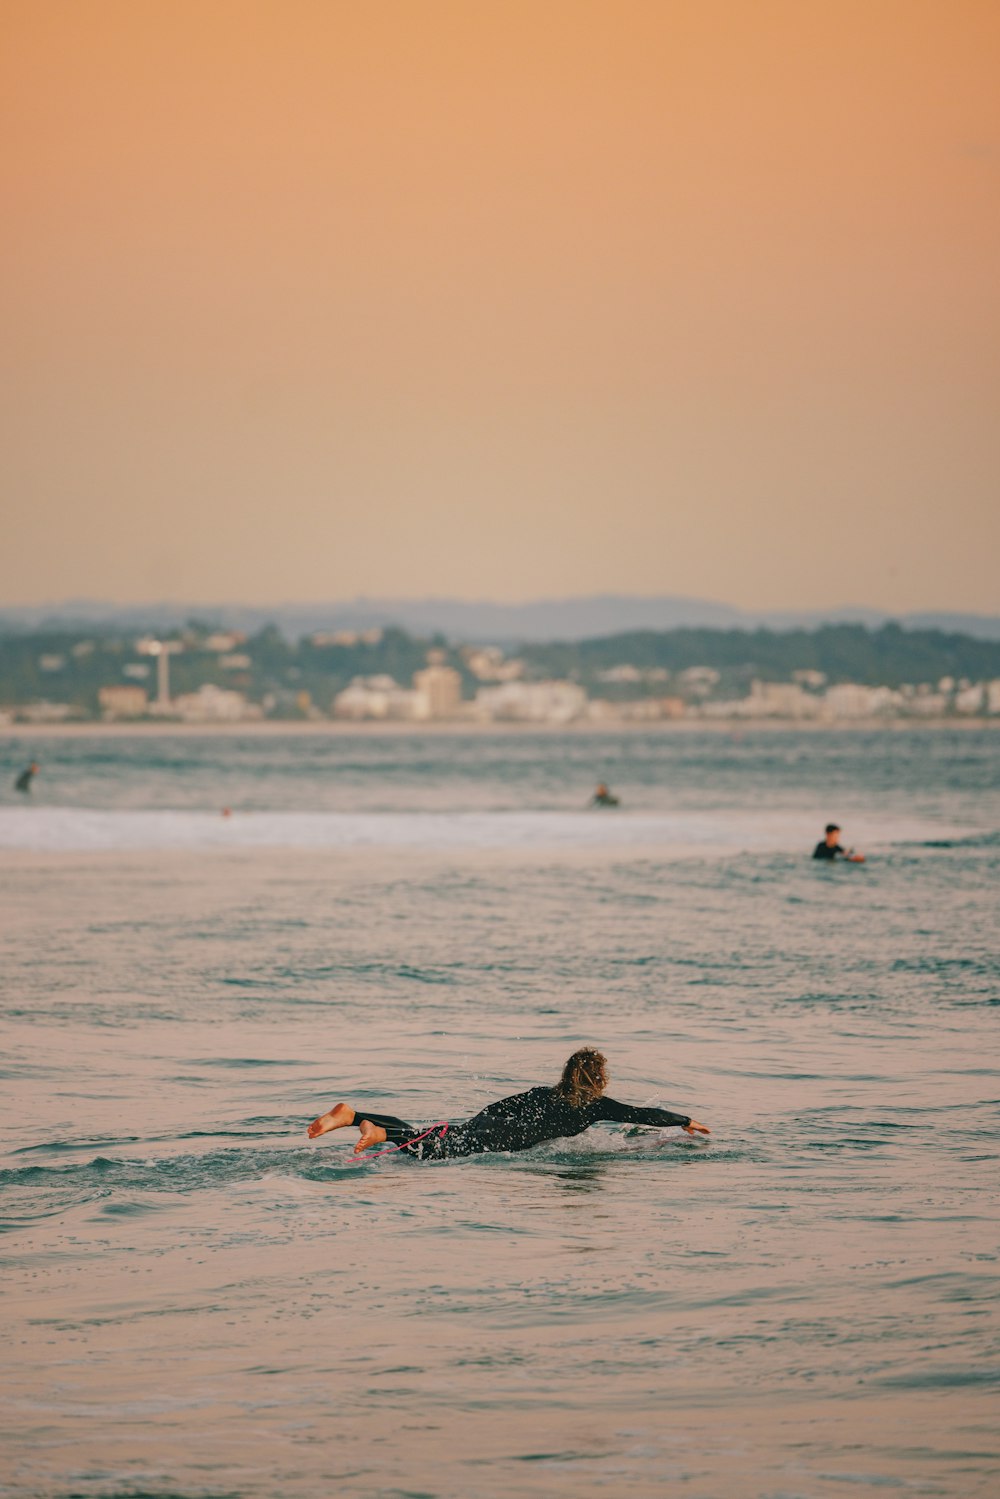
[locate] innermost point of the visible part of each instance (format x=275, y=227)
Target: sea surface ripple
x=200, y=1302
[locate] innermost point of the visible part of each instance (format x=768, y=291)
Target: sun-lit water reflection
x=202, y=1302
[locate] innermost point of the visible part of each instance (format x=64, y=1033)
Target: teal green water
x=198, y=1301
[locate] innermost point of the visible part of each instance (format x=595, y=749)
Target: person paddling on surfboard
x=517, y=1123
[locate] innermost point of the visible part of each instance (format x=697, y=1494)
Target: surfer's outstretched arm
x=626, y=1113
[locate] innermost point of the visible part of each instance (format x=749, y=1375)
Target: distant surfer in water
x=830, y=847
x=603, y=796
x=24, y=780
x=575, y=1103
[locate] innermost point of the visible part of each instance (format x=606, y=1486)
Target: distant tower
x=162, y=650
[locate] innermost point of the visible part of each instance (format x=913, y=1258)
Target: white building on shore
x=489, y=664
x=42, y=711
x=779, y=700
x=123, y=700
x=532, y=702
x=853, y=700
x=380, y=697
x=211, y=704
x=970, y=699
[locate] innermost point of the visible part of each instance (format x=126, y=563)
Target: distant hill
x=571, y=619
x=885, y=656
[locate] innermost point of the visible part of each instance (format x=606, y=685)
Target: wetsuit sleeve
x=625, y=1113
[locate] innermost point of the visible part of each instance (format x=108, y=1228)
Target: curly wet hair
x=584, y=1077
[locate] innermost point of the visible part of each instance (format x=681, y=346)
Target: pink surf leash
x=441, y=1126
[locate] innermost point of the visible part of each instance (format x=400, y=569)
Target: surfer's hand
x=694, y=1128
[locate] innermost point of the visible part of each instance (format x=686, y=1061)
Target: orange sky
x=309, y=298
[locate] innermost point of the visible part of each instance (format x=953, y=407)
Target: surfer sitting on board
x=516, y=1123
x=830, y=847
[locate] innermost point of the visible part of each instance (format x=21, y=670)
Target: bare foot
x=371, y=1134
x=339, y=1117
x=694, y=1128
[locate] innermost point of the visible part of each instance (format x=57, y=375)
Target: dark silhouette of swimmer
x=829, y=847
x=603, y=796
x=517, y=1123
x=28, y=774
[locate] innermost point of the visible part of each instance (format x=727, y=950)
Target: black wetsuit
x=23, y=782
x=824, y=850
x=514, y=1123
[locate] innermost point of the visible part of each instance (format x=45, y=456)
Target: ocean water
x=198, y=1301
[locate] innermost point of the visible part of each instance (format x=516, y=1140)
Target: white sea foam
x=74, y=829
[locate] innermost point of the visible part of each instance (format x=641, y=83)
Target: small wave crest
x=79, y=830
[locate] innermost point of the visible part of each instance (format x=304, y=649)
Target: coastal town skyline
x=202, y=674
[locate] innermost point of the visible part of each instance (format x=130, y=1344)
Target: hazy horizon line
x=486, y=602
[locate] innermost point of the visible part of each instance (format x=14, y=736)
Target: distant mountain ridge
x=569, y=619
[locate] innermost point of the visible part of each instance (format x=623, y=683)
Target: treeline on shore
x=72, y=666
x=888, y=656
